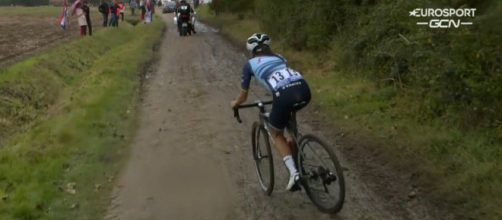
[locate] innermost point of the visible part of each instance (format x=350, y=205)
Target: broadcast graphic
x=444, y=17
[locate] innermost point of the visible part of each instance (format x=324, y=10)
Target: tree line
x=456, y=73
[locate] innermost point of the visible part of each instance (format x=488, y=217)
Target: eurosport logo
x=444, y=17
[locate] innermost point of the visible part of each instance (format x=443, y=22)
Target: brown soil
x=191, y=160
x=24, y=36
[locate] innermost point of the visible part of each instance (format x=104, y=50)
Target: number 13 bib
x=283, y=77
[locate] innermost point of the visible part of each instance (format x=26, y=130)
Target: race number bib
x=283, y=77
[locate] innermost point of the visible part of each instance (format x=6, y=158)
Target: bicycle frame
x=323, y=173
x=292, y=126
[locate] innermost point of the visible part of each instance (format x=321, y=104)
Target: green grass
x=79, y=132
x=41, y=11
x=461, y=168
x=458, y=167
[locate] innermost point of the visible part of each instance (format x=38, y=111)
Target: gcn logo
x=442, y=18
x=443, y=23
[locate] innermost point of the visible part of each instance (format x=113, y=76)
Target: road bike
x=321, y=174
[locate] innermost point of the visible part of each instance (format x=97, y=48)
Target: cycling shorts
x=288, y=99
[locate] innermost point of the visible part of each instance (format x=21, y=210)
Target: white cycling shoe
x=292, y=183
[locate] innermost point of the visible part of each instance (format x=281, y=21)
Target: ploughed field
x=28, y=30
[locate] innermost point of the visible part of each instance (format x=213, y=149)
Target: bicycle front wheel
x=262, y=156
x=321, y=174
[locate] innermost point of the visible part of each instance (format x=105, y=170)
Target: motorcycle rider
x=184, y=12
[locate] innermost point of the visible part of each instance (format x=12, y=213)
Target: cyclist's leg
x=279, y=117
x=291, y=134
x=280, y=141
x=287, y=102
x=300, y=100
x=286, y=154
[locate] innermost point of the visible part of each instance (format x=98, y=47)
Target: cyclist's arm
x=247, y=73
x=243, y=96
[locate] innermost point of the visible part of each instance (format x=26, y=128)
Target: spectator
x=104, y=9
x=86, y=9
x=133, y=5
x=153, y=3
x=149, y=5
x=82, y=22
x=121, y=9
x=143, y=9
x=114, y=21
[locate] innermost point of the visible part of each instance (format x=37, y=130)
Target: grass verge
x=459, y=168
x=73, y=110
x=42, y=11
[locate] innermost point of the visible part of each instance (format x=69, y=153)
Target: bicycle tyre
x=266, y=181
x=309, y=179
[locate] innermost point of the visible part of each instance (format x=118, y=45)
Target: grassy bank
x=460, y=168
x=41, y=11
x=66, y=118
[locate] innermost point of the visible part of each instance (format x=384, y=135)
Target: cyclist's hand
x=234, y=104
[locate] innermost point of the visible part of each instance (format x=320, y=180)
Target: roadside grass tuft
x=63, y=157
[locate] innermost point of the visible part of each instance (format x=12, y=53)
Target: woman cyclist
x=290, y=93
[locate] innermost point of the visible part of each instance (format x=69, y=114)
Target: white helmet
x=256, y=40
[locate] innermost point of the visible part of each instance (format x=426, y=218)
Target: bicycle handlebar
x=236, y=115
x=256, y=104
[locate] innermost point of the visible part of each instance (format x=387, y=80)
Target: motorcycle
x=187, y=24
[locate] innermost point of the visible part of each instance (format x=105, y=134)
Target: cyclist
x=184, y=12
x=290, y=93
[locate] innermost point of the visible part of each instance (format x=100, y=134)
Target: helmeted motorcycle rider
x=184, y=13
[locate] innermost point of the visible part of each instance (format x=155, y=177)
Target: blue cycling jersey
x=270, y=71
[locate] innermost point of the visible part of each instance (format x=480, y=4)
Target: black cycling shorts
x=288, y=99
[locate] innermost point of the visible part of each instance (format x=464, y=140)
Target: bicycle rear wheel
x=321, y=174
x=262, y=156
